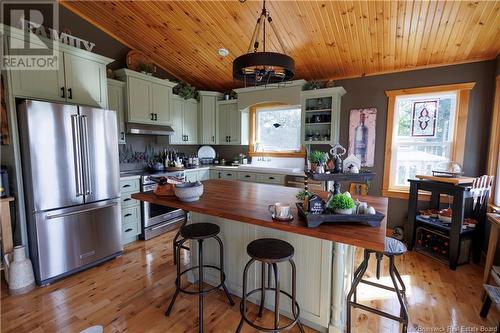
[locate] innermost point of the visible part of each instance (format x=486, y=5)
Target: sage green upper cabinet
x=184, y=121
x=207, y=121
x=229, y=122
x=85, y=81
x=79, y=79
x=116, y=102
x=148, y=98
x=139, y=101
x=177, y=120
x=160, y=103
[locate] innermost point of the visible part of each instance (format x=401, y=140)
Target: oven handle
x=166, y=223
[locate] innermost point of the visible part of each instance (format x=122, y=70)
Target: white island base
x=324, y=271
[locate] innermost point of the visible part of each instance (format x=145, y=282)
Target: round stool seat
x=394, y=247
x=270, y=250
x=199, y=230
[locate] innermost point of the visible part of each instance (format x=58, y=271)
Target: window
x=276, y=130
x=425, y=127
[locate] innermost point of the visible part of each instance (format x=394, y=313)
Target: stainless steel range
x=157, y=219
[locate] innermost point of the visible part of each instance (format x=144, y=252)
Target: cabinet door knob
x=63, y=92
x=70, y=93
x=152, y=117
x=156, y=116
x=187, y=137
x=213, y=138
x=230, y=138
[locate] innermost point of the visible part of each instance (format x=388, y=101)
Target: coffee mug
x=280, y=210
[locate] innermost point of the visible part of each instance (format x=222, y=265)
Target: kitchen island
x=323, y=255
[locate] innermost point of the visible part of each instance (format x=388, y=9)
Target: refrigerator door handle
x=76, y=212
x=77, y=154
x=88, y=182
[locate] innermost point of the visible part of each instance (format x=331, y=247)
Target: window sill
x=422, y=196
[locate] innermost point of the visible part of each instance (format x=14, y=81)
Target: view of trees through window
x=416, y=153
x=278, y=129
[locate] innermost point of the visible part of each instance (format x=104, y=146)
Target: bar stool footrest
x=198, y=292
x=378, y=312
x=265, y=329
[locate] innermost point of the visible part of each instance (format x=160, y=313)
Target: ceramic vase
x=19, y=271
x=343, y=211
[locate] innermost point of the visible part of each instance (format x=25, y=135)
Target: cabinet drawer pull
x=126, y=185
x=213, y=138
x=229, y=174
x=187, y=137
x=271, y=178
x=70, y=93
x=230, y=138
x=63, y=92
x=127, y=215
x=127, y=199
x=129, y=230
x=247, y=176
x=156, y=116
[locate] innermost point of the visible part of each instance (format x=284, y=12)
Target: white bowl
x=188, y=192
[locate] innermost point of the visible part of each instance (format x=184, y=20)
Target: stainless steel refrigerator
x=71, y=181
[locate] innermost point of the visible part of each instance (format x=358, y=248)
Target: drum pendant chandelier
x=262, y=67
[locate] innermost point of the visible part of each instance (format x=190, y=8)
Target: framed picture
x=358, y=188
x=362, y=127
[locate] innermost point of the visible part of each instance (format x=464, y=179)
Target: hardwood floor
x=130, y=294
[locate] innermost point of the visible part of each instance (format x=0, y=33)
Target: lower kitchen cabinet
x=131, y=210
x=256, y=177
x=270, y=178
x=197, y=175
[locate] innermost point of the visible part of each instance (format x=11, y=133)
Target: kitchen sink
x=270, y=169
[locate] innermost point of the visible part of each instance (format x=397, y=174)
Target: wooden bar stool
x=270, y=252
x=199, y=232
x=393, y=247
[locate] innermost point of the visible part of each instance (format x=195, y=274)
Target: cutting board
x=450, y=180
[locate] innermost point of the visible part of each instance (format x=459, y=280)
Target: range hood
x=135, y=128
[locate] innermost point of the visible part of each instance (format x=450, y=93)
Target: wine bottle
x=361, y=139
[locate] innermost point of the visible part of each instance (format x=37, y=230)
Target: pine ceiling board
x=327, y=39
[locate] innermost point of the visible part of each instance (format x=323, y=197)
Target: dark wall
x=370, y=92
x=104, y=44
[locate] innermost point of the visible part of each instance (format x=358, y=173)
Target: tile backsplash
x=140, y=149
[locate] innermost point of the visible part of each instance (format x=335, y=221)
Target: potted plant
x=185, y=90
x=146, y=68
x=341, y=204
x=317, y=158
x=302, y=195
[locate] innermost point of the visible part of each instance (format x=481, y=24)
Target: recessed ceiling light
x=223, y=52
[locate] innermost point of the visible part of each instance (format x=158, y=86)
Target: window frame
x=494, y=145
x=462, y=90
x=253, y=133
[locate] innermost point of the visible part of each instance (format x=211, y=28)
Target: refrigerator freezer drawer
x=71, y=238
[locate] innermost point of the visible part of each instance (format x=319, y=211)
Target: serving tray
x=314, y=220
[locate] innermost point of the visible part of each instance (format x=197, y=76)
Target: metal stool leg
x=355, y=283
x=263, y=288
x=276, y=297
x=243, y=308
x=200, y=284
x=354, y=276
x=221, y=265
x=403, y=311
x=398, y=276
x=294, y=293
x=177, y=280
x=174, y=243
x=486, y=307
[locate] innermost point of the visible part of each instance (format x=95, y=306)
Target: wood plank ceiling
x=327, y=39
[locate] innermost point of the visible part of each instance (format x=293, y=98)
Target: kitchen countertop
x=248, y=203
x=126, y=175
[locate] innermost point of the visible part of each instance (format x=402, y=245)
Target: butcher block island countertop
x=248, y=202
x=324, y=256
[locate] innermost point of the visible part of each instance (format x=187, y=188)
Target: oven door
x=154, y=214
